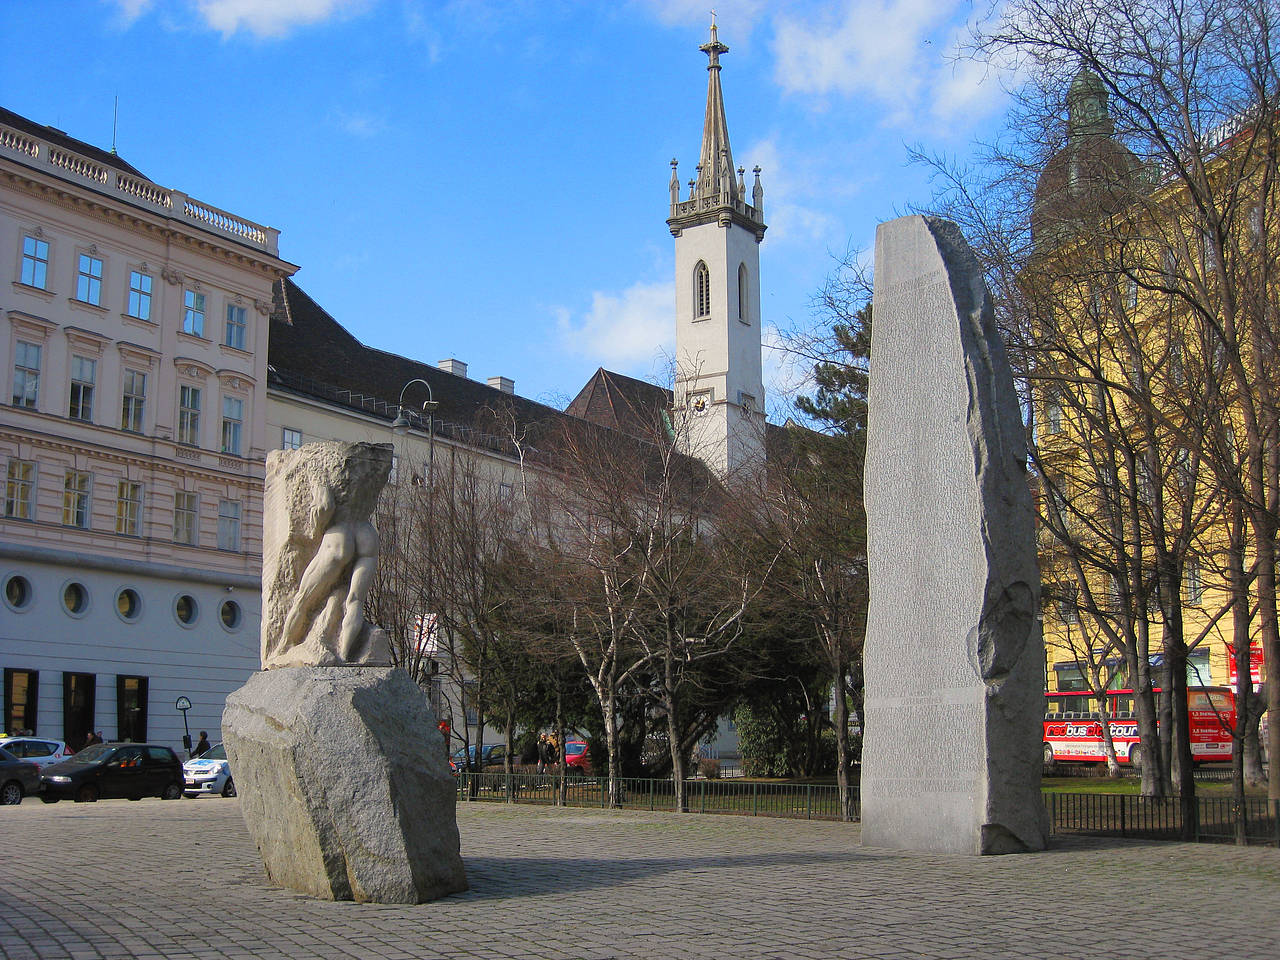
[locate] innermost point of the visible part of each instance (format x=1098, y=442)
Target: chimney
x=456, y=367
x=505, y=384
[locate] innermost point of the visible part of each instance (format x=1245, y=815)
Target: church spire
x=715, y=192
x=715, y=166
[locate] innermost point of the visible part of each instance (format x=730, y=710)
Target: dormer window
x=701, y=291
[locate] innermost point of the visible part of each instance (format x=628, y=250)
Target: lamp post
x=400, y=427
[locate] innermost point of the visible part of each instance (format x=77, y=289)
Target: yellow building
x=1137, y=422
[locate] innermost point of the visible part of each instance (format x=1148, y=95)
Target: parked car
x=17, y=778
x=109, y=770
x=209, y=774
x=39, y=750
x=494, y=755
x=576, y=757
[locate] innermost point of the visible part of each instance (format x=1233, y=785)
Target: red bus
x=1073, y=730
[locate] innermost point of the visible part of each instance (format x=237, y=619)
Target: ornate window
x=232, y=422
x=89, y=280
x=229, y=525
x=701, y=291
x=35, y=262
x=743, y=297
x=129, y=508
x=193, y=313
x=139, y=295
x=189, y=415
x=235, y=326
x=186, y=508
x=26, y=374
x=84, y=371
x=19, y=486
x=135, y=397
x=75, y=499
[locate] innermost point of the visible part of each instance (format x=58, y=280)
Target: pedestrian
x=544, y=752
x=91, y=739
x=202, y=745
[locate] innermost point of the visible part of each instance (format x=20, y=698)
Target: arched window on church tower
x=701, y=291
x=742, y=293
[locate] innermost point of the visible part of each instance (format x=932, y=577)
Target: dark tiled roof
x=310, y=353
x=60, y=139
x=621, y=403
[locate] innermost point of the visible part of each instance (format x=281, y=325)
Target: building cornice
x=79, y=183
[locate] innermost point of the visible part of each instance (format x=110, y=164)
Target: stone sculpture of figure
x=320, y=551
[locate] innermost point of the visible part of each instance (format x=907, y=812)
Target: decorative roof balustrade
x=32, y=151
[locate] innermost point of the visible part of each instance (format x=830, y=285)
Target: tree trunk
x=841, y=720
x=679, y=761
x=609, y=709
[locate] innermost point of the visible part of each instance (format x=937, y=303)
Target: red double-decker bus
x=1073, y=728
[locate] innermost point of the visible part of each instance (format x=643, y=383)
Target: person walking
x=202, y=745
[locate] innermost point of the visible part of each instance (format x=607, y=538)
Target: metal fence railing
x=804, y=801
x=1116, y=815
x=1149, y=818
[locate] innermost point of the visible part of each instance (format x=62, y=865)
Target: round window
x=186, y=609
x=17, y=592
x=75, y=598
x=229, y=613
x=128, y=604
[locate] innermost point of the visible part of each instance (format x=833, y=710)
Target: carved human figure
x=320, y=552
x=348, y=550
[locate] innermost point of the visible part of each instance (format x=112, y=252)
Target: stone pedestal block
x=954, y=657
x=343, y=783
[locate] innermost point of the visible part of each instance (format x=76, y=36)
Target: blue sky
x=488, y=181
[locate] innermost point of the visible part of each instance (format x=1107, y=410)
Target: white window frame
x=77, y=499
x=141, y=287
x=19, y=489
x=26, y=378
x=189, y=413
x=290, y=438
x=237, y=327
x=80, y=400
x=35, y=262
x=229, y=525
x=133, y=401
x=193, y=312
x=232, y=424
x=89, y=282
x=186, y=517
x=128, y=508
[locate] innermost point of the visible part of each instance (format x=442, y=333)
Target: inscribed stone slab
x=954, y=655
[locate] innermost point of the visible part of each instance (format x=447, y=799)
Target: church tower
x=719, y=391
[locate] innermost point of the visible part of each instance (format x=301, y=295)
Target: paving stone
x=181, y=879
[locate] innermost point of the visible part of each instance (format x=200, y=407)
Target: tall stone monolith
x=954, y=655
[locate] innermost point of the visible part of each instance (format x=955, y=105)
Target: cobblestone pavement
x=181, y=879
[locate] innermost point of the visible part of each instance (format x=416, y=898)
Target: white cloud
x=131, y=10
x=785, y=373
x=900, y=54
x=623, y=331
x=271, y=18
x=794, y=193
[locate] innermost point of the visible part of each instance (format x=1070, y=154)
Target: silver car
x=38, y=750
x=17, y=778
x=208, y=775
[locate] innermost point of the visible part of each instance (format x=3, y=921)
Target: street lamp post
x=400, y=427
